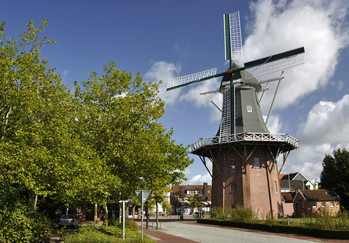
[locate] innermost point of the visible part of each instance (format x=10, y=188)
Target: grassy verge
x=108, y=234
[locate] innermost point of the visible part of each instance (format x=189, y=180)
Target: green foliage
x=129, y=223
x=323, y=221
x=92, y=233
x=18, y=225
x=76, y=149
x=196, y=201
x=335, y=174
x=326, y=221
x=120, y=112
x=299, y=230
x=239, y=214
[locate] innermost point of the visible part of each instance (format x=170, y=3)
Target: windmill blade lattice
x=275, y=63
x=232, y=37
x=191, y=79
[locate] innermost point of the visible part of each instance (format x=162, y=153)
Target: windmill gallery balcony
x=278, y=138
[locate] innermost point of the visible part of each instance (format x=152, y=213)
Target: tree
x=335, y=174
x=38, y=148
x=119, y=114
x=196, y=201
x=79, y=148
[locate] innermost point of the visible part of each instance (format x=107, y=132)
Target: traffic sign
x=143, y=197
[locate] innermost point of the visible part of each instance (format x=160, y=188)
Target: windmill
x=244, y=153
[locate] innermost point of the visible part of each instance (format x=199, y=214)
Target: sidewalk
x=160, y=236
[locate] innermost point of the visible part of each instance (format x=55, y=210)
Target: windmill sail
x=191, y=79
x=275, y=63
x=232, y=36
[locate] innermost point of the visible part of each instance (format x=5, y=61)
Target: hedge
x=330, y=234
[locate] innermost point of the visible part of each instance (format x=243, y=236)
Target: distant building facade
x=180, y=197
x=315, y=202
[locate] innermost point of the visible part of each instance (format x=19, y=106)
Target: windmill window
x=249, y=108
x=233, y=187
x=276, y=186
x=233, y=164
x=257, y=163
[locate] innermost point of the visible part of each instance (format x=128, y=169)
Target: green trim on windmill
x=227, y=40
x=274, y=58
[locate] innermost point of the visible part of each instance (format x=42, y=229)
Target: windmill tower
x=244, y=153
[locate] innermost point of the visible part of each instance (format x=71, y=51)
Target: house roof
x=292, y=185
x=288, y=196
x=281, y=175
x=319, y=195
x=294, y=176
x=291, y=176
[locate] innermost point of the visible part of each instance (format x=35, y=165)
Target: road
x=194, y=232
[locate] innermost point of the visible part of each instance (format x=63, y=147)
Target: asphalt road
x=202, y=233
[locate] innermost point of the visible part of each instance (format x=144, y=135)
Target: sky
x=163, y=39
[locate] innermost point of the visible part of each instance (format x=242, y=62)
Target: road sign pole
x=142, y=196
x=123, y=218
x=142, y=215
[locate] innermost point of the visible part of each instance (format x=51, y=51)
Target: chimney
x=205, y=189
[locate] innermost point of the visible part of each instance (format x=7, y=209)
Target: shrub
x=240, y=214
x=92, y=233
x=90, y=236
x=19, y=225
x=131, y=224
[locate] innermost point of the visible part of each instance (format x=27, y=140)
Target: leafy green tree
x=40, y=148
x=335, y=174
x=196, y=201
x=119, y=114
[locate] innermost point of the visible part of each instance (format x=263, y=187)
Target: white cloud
x=193, y=96
x=316, y=25
x=199, y=180
x=308, y=160
x=274, y=124
x=164, y=71
x=327, y=122
x=324, y=130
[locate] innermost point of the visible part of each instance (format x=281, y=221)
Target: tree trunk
x=146, y=216
x=35, y=201
x=5, y=123
x=95, y=215
x=106, y=220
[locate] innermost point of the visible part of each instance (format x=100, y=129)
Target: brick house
x=312, y=202
x=182, y=193
x=287, y=203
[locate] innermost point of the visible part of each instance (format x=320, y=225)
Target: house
x=293, y=181
x=180, y=197
x=287, y=203
x=312, y=202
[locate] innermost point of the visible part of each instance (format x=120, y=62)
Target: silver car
x=68, y=220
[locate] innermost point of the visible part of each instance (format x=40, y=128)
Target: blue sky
x=164, y=39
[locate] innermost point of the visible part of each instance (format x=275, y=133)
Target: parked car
x=68, y=220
